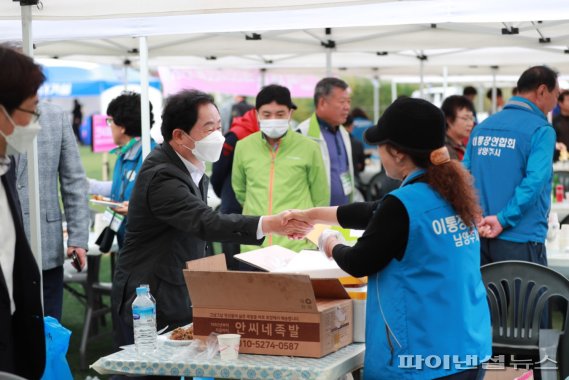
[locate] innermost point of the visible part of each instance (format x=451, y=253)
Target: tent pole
x=328, y=62
x=33, y=172
x=393, y=90
x=480, y=98
x=494, y=108
x=445, y=82
x=125, y=76
x=422, y=79
x=376, y=85
x=144, y=107
x=263, y=77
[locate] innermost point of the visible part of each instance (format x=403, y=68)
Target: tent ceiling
x=457, y=34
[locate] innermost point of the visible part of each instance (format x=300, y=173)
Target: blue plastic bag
x=56, y=345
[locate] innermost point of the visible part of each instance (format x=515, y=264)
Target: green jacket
x=267, y=181
x=311, y=129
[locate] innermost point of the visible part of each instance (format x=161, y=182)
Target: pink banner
x=102, y=135
x=233, y=82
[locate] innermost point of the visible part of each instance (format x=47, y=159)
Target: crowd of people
x=472, y=193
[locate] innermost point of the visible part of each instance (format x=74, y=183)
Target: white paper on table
x=268, y=258
x=278, y=259
x=313, y=263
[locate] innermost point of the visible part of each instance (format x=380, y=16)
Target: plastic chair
x=9, y=376
x=379, y=185
x=95, y=308
x=518, y=292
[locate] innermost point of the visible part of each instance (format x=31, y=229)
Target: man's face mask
x=22, y=137
x=274, y=128
x=209, y=148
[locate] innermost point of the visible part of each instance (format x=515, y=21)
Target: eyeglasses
x=35, y=113
x=109, y=121
x=465, y=118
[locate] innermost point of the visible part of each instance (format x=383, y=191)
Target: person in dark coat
x=22, y=337
x=169, y=219
x=77, y=118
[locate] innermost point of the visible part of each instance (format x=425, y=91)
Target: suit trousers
x=53, y=292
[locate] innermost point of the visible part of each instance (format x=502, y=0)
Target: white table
x=558, y=259
x=174, y=361
x=562, y=209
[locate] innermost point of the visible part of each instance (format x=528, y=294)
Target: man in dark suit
x=22, y=339
x=169, y=219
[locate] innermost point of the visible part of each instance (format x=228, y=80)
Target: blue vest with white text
x=126, y=170
x=427, y=315
x=500, y=148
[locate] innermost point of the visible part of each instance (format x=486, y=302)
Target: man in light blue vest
x=510, y=155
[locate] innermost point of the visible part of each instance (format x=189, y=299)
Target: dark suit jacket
x=22, y=337
x=168, y=224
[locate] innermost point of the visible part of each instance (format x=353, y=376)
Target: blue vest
x=428, y=312
x=499, y=151
x=124, y=176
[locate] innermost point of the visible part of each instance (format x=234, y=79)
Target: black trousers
x=53, y=292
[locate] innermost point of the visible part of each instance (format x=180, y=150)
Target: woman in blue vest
x=427, y=314
x=126, y=126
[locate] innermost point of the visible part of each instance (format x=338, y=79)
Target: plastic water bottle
x=149, y=294
x=144, y=321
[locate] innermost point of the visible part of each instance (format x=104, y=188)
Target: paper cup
x=228, y=346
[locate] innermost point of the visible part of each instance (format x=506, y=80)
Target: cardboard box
x=507, y=373
x=276, y=314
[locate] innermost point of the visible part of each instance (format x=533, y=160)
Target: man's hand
x=122, y=209
x=81, y=253
x=489, y=227
x=278, y=224
x=300, y=215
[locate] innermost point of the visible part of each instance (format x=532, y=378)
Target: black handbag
x=107, y=236
x=105, y=239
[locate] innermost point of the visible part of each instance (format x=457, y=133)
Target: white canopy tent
x=284, y=31
x=417, y=36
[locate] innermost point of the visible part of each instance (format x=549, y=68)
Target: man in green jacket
x=277, y=169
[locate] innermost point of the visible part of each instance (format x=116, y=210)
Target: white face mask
x=22, y=137
x=274, y=128
x=209, y=148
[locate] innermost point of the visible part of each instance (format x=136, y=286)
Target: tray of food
x=181, y=336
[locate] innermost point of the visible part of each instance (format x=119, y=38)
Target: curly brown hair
x=454, y=183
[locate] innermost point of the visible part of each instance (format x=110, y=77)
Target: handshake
x=292, y=223
x=296, y=224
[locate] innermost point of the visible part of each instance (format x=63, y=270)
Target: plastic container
x=559, y=193
x=359, y=297
x=228, y=346
x=144, y=321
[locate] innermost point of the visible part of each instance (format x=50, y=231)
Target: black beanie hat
x=411, y=124
x=274, y=93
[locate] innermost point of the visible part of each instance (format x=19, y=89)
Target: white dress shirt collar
x=4, y=165
x=195, y=172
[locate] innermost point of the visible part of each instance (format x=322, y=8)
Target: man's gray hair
x=325, y=86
